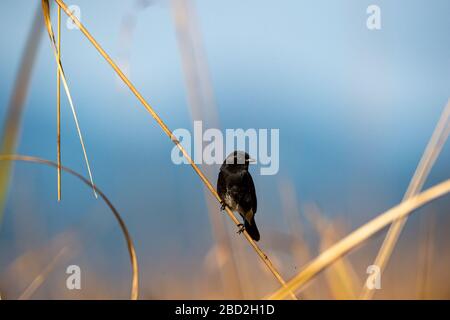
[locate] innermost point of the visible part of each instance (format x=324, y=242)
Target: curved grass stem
x=123, y=227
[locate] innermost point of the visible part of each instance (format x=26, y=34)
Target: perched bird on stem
x=236, y=189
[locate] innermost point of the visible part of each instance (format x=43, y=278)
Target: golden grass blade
x=341, y=276
x=122, y=225
x=20, y=271
x=360, y=235
x=429, y=157
x=58, y=108
x=46, y=10
x=290, y=209
x=32, y=257
x=40, y=278
x=11, y=127
x=425, y=256
x=197, y=79
x=169, y=133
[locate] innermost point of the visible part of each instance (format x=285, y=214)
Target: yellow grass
x=46, y=11
x=360, y=235
x=425, y=255
x=58, y=108
x=341, y=276
x=11, y=131
x=39, y=280
x=123, y=227
x=429, y=157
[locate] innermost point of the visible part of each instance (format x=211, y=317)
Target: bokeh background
x=355, y=109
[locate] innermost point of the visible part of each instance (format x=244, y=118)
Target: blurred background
x=355, y=109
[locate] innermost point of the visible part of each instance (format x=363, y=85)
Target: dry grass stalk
x=341, y=276
x=18, y=272
x=40, y=278
x=425, y=255
x=10, y=135
x=123, y=227
x=58, y=107
x=46, y=11
x=360, y=235
x=290, y=208
x=167, y=131
x=427, y=161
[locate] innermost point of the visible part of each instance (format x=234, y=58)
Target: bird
x=237, y=191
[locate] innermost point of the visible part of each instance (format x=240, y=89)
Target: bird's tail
x=252, y=229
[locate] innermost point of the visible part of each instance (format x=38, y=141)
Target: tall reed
x=58, y=108
x=11, y=128
x=360, y=235
x=431, y=153
x=48, y=24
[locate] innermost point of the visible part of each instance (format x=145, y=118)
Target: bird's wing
x=221, y=185
x=251, y=192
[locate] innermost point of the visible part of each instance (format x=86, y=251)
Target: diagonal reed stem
x=123, y=227
x=40, y=278
x=169, y=133
x=360, y=235
x=431, y=153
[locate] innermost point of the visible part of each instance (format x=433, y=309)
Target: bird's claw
x=241, y=228
x=223, y=206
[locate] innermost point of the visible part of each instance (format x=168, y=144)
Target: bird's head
x=238, y=160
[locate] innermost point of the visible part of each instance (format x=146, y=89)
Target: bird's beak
x=250, y=160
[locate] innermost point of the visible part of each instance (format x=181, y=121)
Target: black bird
x=237, y=191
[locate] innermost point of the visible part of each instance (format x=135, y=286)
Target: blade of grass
x=11, y=128
x=360, y=235
x=46, y=11
x=341, y=276
x=40, y=278
x=290, y=209
x=58, y=108
x=122, y=225
x=34, y=256
x=427, y=161
x=425, y=256
x=169, y=133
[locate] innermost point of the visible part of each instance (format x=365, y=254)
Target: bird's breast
x=230, y=202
